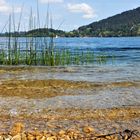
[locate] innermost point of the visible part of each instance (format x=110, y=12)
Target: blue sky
x=70, y=14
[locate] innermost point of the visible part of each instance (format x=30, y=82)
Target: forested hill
x=124, y=24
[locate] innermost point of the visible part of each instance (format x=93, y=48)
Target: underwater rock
x=16, y=129
x=88, y=129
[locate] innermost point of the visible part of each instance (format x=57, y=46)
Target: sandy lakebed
x=47, y=99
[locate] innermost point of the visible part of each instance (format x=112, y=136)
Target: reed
x=54, y=58
x=15, y=41
x=9, y=42
x=2, y=57
x=42, y=51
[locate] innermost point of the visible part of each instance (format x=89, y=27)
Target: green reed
x=43, y=51
x=51, y=57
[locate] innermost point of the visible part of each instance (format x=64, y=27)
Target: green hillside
x=124, y=24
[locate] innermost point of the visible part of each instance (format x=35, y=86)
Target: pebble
x=88, y=129
x=61, y=132
x=52, y=138
x=16, y=129
x=87, y=133
x=1, y=138
x=16, y=137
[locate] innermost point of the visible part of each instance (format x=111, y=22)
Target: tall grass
x=9, y=42
x=42, y=51
x=56, y=57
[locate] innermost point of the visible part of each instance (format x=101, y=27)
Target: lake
x=70, y=95
x=123, y=66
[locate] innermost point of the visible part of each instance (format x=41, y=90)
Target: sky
x=65, y=15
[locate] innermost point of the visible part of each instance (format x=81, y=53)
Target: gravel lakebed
x=51, y=109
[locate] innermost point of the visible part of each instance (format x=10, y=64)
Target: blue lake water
x=125, y=50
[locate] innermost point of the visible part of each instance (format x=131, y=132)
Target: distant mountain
x=124, y=24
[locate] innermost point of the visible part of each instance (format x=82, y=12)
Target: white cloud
x=6, y=8
x=3, y=6
x=51, y=1
x=84, y=8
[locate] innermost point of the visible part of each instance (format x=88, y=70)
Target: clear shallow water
x=101, y=73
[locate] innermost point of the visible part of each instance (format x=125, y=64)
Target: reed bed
x=31, y=50
x=34, y=52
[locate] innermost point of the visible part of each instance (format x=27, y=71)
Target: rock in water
x=61, y=132
x=88, y=129
x=16, y=129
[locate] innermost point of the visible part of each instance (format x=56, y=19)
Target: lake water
x=124, y=67
x=125, y=50
x=26, y=90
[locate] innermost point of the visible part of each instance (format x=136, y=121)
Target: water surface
x=41, y=91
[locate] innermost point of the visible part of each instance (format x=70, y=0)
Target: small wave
x=117, y=49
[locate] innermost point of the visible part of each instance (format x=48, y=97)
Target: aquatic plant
x=49, y=56
x=42, y=51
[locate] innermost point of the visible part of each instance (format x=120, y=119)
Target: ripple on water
x=97, y=73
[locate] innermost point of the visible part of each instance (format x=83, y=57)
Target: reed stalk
x=9, y=41
x=42, y=51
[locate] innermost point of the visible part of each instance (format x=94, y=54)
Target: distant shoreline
x=73, y=36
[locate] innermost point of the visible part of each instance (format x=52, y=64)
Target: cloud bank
x=84, y=8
